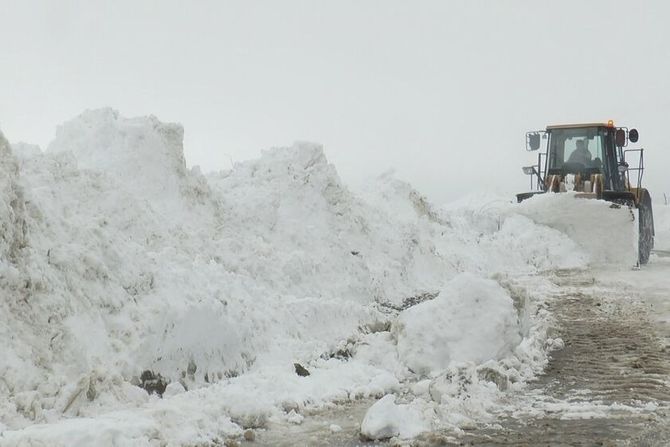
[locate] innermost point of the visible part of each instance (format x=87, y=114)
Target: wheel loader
x=592, y=160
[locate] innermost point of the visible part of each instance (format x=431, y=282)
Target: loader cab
x=591, y=153
x=584, y=150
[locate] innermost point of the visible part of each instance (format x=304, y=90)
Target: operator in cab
x=581, y=154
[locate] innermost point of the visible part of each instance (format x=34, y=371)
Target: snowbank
x=472, y=320
x=117, y=260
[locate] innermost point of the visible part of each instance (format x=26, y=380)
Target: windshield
x=576, y=150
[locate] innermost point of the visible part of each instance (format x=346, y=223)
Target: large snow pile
x=119, y=264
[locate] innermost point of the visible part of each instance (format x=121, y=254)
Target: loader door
x=614, y=180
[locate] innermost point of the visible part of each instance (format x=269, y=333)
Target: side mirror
x=532, y=141
x=620, y=138
x=633, y=136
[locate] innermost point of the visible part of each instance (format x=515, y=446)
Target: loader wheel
x=646, y=240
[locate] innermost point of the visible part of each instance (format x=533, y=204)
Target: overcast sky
x=441, y=91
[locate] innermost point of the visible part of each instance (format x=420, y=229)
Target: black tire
x=646, y=219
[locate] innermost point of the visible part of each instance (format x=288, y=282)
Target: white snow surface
x=386, y=419
x=115, y=258
x=472, y=320
x=25, y=150
x=604, y=232
x=661, y=226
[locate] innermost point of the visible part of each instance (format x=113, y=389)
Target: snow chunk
x=385, y=420
x=173, y=389
x=295, y=418
x=472, y=320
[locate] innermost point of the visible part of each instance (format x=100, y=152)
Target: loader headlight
x=528, y=170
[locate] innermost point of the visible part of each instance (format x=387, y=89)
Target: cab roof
x=576, y=126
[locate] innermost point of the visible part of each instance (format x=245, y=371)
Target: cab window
x=578, y=148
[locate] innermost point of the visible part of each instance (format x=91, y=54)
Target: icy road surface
x=609, y=385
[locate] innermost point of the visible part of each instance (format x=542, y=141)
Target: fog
x=441, y=92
